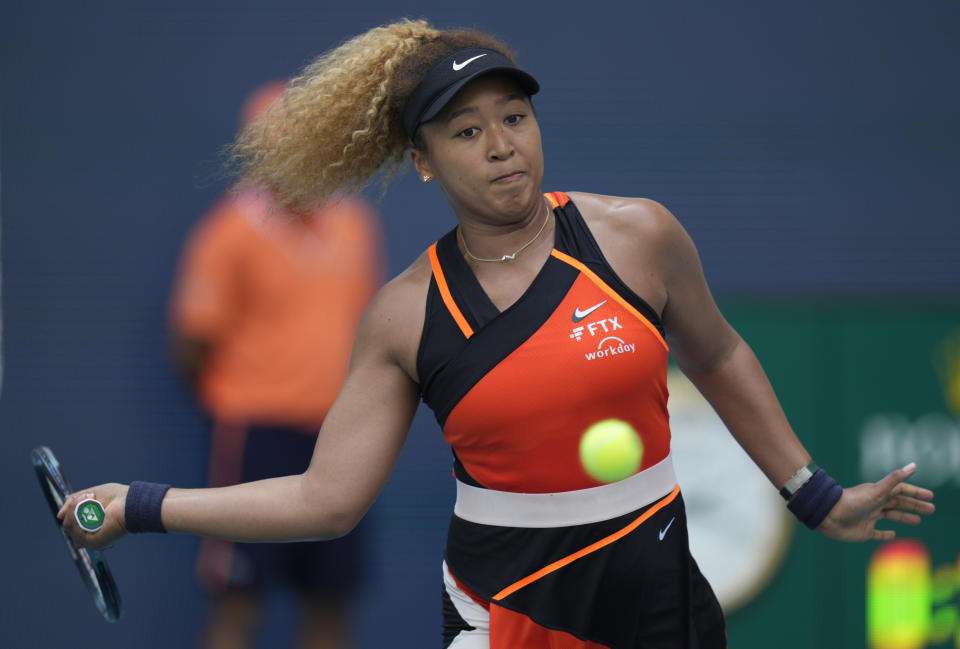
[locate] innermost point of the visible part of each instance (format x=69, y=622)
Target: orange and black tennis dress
x=540, y=555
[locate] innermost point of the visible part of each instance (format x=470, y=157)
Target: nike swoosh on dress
x=663, y=532
x=579, y=315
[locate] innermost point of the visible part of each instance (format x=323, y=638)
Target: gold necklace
x=504, y=257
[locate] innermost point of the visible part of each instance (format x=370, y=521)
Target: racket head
x=91, y=565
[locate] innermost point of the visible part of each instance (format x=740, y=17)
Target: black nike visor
x=452, y=73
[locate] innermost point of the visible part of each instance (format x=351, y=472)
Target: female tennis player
x=535, y=317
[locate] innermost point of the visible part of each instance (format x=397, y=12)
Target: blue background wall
x=812, y=152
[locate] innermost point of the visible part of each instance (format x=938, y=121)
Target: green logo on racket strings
x=89, y=514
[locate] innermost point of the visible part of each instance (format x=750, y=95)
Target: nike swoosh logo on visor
x=459, y=66
x=579, y=315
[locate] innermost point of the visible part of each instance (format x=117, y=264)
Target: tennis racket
x=90, y=563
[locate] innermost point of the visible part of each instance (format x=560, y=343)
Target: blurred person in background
x=263, y=315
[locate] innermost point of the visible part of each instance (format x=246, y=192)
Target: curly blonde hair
x=339, y=124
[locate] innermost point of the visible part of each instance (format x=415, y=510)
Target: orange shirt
x=278, y=298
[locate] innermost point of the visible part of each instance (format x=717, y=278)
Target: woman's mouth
x=507, y=178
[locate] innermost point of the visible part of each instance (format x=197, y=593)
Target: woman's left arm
x=724, y=368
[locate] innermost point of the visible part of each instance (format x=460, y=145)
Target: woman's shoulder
x=412, y=280
x=624, y=215
x=394, y=319
x=640, y=239
x=405, y=295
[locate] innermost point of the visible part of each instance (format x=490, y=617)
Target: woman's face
x=484, y=150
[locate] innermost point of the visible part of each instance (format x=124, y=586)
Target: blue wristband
x=142, y=510
x=815, y=500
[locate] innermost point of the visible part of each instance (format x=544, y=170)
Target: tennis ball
x=611, y=450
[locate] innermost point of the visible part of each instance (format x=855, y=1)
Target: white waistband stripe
x=565, y=508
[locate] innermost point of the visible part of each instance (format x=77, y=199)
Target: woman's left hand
x=855, y=515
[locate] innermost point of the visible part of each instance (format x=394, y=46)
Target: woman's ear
x=422, y=165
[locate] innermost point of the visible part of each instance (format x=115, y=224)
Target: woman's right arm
x=356, y=449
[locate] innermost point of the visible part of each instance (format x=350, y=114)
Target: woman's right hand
x=113, y=497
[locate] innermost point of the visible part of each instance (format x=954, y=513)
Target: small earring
x=427, y=178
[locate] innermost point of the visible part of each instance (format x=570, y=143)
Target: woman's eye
x=513, y=119
x=467, y=132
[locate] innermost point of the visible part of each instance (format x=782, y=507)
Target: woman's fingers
x=896, y=494
x=911, y=505
x=902, y=517
x=65, y=514
x=894, y=479
x=909, y=498
x=904, y=502
x=913, y=491
x=71, y=503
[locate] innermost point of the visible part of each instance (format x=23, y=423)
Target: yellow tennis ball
x=611, y=450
